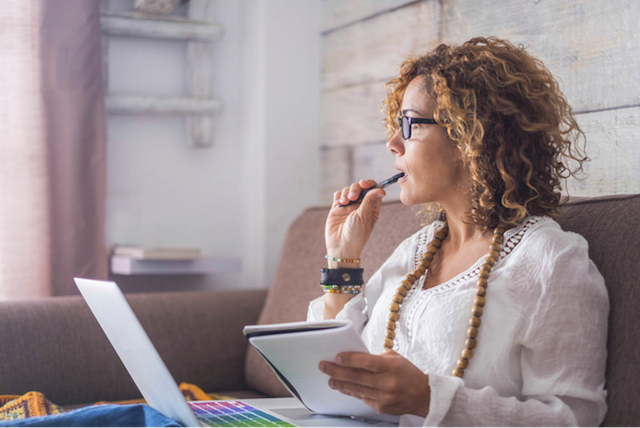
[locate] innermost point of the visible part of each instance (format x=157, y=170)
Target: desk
x=293, y=410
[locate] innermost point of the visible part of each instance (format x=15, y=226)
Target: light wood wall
x=591, y=46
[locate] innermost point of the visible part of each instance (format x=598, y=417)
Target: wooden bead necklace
x=478, y=303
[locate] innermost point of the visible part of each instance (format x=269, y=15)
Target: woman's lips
x=406, y=176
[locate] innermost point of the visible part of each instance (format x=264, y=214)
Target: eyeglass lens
x=406, y=127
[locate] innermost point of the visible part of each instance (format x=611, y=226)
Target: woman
x=483, y=134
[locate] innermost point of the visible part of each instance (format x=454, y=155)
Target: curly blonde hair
x=506, y=113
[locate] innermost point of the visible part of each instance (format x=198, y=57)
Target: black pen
x=380, y=185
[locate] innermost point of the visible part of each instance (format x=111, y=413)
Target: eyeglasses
x=405, y=123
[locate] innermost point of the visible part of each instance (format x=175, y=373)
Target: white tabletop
x=292, y=409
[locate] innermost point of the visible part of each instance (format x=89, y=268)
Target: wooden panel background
x=592, y=47
x=352, y=115
x=338, y=13
x=372, y=49
x=614, y=148
x=336, y=171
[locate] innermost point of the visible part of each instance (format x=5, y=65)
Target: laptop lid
x=153, y=379
x=135, y=349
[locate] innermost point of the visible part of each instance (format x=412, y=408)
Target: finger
x=361, y=360
x=367, y=184
x=373, y=199
x=344, y=199
x=354, y=191
x=382, y=406
x=336, y=197
x=348, y=374
x=354, y=390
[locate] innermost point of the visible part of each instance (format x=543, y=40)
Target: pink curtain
x=52, y=152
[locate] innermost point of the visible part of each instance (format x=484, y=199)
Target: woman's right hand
x=348, y=228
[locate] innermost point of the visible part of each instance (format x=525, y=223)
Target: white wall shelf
x=198, y=106
x=129, y=266
x=134, y=104
x=159, y=27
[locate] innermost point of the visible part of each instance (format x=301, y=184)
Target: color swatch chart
x=234, y=414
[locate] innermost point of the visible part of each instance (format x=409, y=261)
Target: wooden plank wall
x=591, y=46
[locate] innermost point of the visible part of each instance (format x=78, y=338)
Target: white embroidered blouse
x=541, y=353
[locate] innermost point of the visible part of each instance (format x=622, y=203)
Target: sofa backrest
x=609, y=224
x=55, y=345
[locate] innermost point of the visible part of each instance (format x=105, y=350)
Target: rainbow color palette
x=234, y=414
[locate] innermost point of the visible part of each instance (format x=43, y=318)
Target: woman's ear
x=465, y=153
x=466, y=159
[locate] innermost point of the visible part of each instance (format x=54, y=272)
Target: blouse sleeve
x=563, y=353
x=353, y=311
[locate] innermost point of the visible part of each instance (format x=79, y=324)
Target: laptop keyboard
x=234, y=414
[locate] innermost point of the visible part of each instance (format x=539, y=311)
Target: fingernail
x=339, y=359
x=332, y=384
x=322, y=368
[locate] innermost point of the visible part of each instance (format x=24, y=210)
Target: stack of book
x=140, y=253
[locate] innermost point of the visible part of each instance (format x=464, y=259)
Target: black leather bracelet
x=341, y=276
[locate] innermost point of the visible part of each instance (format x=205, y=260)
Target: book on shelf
x=157, y=253
x=294, y=352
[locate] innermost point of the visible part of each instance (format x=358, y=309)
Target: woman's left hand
x=388, y=383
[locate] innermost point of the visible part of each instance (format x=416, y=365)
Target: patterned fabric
x=29, y=405
x=190, y=392
x=34, y=404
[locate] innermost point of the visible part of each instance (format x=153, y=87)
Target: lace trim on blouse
x=414, y=304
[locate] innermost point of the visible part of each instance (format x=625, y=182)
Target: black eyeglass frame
x=406, y=122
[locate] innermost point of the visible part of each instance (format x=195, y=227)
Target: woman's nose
x=395, y=144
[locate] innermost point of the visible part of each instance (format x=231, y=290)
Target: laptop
x=159, y=389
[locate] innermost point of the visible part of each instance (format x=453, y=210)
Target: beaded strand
x=342, y=289
x=478, y=303
x=408, y=282
x=342, y=260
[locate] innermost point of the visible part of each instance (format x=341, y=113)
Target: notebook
x=157, y=386
x=294, y=351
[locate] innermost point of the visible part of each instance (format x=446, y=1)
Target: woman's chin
x=406, y=199
x=411, y=200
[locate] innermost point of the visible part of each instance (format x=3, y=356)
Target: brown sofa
x=56, y=347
